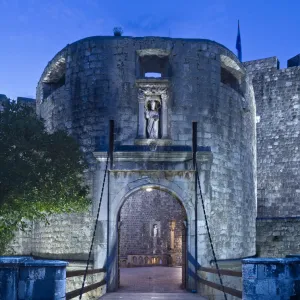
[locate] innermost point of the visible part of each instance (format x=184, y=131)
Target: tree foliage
x=41, y=173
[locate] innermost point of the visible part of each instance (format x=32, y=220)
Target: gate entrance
x=152, y=237
x=162, y=177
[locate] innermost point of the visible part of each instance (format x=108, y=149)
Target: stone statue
x=172, y=234
x=155, y=230
x=152, y=116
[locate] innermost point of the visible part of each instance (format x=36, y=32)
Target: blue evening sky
x=33, y=31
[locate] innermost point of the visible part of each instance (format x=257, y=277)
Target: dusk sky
x=33, y=31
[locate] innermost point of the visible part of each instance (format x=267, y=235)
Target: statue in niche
x=172, y=234
x=155, y=230
x=152, y=116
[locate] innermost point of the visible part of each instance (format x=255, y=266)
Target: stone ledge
x=296, y=218
x=153, y=80
x=158, y=142
x=266, y=260
x=166, y=156
x=151, y=171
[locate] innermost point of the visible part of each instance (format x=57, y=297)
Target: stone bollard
x=25, y=278
x=271, y=278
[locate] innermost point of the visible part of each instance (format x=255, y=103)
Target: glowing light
x=149, y=189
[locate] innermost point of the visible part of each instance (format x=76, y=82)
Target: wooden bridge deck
x=151, y=296
x=151, y=283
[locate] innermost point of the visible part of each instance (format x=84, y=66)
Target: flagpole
x=239, y=43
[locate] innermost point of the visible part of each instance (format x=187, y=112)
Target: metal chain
x=208, y=232
x=96, y=223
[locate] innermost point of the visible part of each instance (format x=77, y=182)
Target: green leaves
x=40, y=173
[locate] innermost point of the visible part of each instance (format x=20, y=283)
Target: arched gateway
x=124, y=182
x=152, y=236
x=98, y=79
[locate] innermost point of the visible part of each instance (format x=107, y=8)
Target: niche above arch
x=157, y=91
x=232, y=74
x=55, y=76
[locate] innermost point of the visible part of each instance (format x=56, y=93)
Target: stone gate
x=98, y=79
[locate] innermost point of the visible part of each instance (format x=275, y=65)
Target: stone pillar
x=192, y=277
x=142, y=121
x=112, y=275
x=25, y=278
x=100, y=243
x=271, y=278
x=164, y=116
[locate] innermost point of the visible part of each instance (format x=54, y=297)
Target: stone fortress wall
x=102, y=78
x=24, y=100
x=277, y=96
x=277, y=118
x=97, y=79
x=277, y=237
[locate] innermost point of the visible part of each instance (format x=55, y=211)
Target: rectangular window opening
x=153, y=75
x=152, y=66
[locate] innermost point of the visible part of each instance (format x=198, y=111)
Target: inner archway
x=152, y=242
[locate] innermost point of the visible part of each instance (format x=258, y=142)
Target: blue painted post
x=9, y=276
x=271, y=278
x=25, y=278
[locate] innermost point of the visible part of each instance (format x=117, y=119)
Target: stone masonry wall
x=278, y=237
x=262, y=65
x=138, y=215
x=21, y=243
x=277, y=94
x=100, y=82
x=67, y=236
x=232, y=176
x=57, y=111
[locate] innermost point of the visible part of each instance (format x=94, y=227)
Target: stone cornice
x=153, y=86
x=153, y=51
x=158, y=142
x=165, y=156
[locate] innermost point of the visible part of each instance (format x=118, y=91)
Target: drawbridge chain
x=208, y=232
x=96, y=223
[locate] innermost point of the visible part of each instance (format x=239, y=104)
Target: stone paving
x=151, y=283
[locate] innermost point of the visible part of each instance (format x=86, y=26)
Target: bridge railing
x=217, y=286
x=88, y=288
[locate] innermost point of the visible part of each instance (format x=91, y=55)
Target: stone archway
x=123, y=184
x=152, y=230
x=177, y=179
